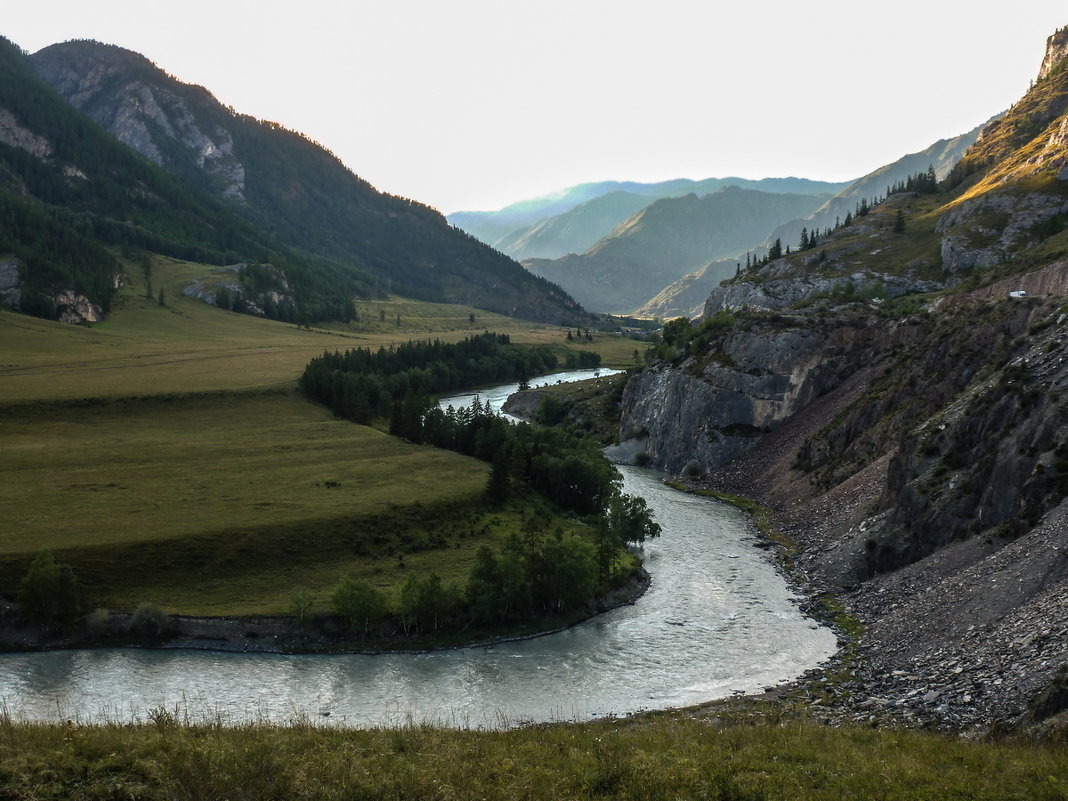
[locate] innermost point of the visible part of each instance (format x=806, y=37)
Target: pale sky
x=473, y=104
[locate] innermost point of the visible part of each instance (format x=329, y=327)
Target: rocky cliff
x=717, y=403
x=116, y=88
x=897, y=396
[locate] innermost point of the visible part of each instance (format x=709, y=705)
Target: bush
x=692, y=469
x=149, y=620
x=48, y=593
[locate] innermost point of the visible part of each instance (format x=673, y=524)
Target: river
x=717, y=619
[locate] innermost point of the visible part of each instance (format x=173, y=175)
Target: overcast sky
x=473, y=104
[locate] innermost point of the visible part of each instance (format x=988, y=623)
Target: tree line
x=362, y=384
x=536, y=572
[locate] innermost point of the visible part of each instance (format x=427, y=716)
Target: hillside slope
x=666, y=240
x=897, y=396
x=281, y=181
x=942, y=156
x=72, y=196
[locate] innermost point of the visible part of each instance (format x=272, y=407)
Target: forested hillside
x=281, y=181
x=72, y=197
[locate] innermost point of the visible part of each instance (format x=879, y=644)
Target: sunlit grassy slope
x=166, y=454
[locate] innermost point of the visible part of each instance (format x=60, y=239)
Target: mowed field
x=166, y=455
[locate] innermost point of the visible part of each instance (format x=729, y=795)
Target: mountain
x=895, y=396
x=574, y=231
x=572, y=220
x=686, y=297
x=666, y=240
x=72, y=197
x=290, y=187
x=942, y=156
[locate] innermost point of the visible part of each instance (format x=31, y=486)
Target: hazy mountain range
x=686, y=296
x=576, y=218
x=667, y=268
x=666, y=240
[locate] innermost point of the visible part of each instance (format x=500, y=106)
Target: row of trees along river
x=535, y=573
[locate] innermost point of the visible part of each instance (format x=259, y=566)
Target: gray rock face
x=781, y=293
x=14, y=134
x=10, y=282
x=1017, y=215
x=74, y=308
x=713, y=414
x=144, y=115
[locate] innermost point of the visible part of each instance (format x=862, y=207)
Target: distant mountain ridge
x=686, y=297
x=666, y=240
x=574, y=219
x=291, y=187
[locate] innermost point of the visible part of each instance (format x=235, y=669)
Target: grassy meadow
x=167, y=456
x=187, y=346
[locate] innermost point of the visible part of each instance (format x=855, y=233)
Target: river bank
x=971, y=639
x=321, y=634
x=717, y=619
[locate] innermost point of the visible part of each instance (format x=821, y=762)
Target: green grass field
x=187, y=346
x=204, y=494
x=166, y=455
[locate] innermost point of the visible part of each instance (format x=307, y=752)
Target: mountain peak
x=1056, y=50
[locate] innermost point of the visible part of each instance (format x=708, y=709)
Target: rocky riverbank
x=971, y=638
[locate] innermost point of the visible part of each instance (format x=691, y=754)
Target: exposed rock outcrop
x=145, y=115
x=10, y=282
x=74, y=308
x=1002, y=222
x=228, y=287
x=712, y=408
x=1056, y=52
x=14, y=134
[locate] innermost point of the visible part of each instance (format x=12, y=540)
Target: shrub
x=149, y=620
x=48, y=593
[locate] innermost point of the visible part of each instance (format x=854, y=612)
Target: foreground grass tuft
x=667, y=757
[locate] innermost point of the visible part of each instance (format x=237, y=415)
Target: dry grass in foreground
x=667, y=757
